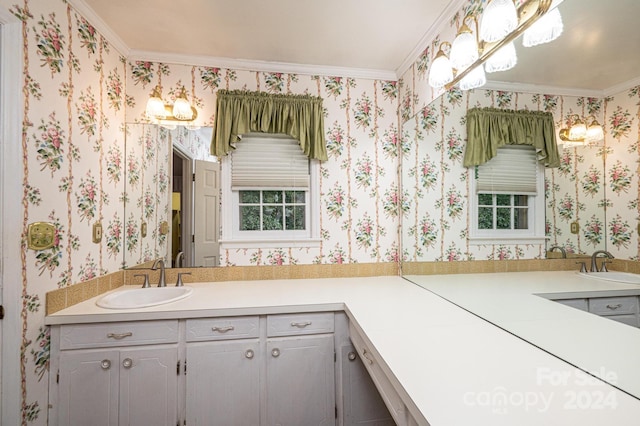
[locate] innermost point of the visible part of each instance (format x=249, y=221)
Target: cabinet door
x=148, y=386
x=223, y=383
x=362, y=403
x=300, y=381
x=88, y=388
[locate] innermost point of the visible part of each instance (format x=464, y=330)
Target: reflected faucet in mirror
x=562, y=250
x=594, y=266
x=177, y=263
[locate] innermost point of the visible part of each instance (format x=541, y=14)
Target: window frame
x=233, y=238
x=535, y=234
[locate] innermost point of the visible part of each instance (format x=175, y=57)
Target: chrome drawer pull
x=127, y=363
x=223, y=329
x=301, y=324
x=105, y=364
x=119, y=336
x=614, y=307
x=352, y=356
x=365, y=356
x=249, y=353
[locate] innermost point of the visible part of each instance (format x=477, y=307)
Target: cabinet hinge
x=1, y=312
x=194, y=177
x=336, y=411
x=178, y=370
x=58, y=377
x=185, y=367
x=335, y=357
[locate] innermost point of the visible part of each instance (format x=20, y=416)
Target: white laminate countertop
x=457, y=368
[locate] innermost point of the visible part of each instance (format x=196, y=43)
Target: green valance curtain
x=299, y=116
x=490, y=128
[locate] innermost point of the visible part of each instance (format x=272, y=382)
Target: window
x=272, y=188
x=508, y=198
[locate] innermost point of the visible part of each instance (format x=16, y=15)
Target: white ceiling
x=598, y=50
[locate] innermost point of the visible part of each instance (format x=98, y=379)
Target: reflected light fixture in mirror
x=497, y=32
x=578, y=133
x=160, y=112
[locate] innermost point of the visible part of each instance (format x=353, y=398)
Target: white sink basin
x=143, y=297
x=620, y=277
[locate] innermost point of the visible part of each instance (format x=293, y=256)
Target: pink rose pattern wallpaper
x=79, y=92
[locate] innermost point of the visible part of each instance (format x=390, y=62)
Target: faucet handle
x=179, y=282
x=583, y=266
x=146, y=280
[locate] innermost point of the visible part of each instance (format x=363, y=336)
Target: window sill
x=512, y=239
x=249, y=244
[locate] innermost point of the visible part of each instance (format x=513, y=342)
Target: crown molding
x=428, y=37
x=614, y=90
x=98, y=23
x=541, y=89
x=264, y=66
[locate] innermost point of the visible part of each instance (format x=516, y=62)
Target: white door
x=88, y=388
x=300, y=381
x=206, y=216
x=148, y=386
x=223, y=383
x=362, y=403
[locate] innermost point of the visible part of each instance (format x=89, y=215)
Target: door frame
x=11, y=175
x=187, y=200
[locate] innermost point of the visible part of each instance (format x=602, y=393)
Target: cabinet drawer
x=118, y=334
x=389, y=395
x=287, y=325
x=575, y=303
x=631, y=320
x=614, y=305
x=225, y=328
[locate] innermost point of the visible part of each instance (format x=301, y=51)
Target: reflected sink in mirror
x=620, y=277
x=138, y=297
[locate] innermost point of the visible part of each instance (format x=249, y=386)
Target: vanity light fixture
x=491, y=43
x=579, y=133
x=181, y=110
x=441, y=72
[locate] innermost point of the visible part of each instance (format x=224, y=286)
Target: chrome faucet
x=160, y=262
x=179, y=260
x=562, y=250
x=594, y=256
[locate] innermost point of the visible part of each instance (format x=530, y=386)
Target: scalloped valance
x=490, y=128
x=299, y=116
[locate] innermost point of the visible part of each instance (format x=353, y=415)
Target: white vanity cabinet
x=110, y=374
x=270, y=370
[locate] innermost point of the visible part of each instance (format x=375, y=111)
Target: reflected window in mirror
x=508, y=198
x=273, y=189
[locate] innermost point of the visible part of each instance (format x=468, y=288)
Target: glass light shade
x=578, y=130
x=546, y=29
x=476, y=78
x=440, y=73
x=464, y=51
x=504, y=59
x=500, y=17
x=595, y=133
x=155, y=105
x=182, y=107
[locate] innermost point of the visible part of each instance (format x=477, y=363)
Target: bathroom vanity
x=314, y=351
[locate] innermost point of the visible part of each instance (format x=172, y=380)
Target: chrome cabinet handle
x=301, y=324
x=614, y=307
x=275, y=353
x=223, y=329
x=105, y=364
x=127, y=363
x=119, y=336
x=352, y=356
x=365, y=355
x=249, y=354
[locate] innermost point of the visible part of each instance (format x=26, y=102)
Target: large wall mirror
x=160, y=205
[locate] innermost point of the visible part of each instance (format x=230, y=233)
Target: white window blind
x=512, y=171
x=269, y=161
